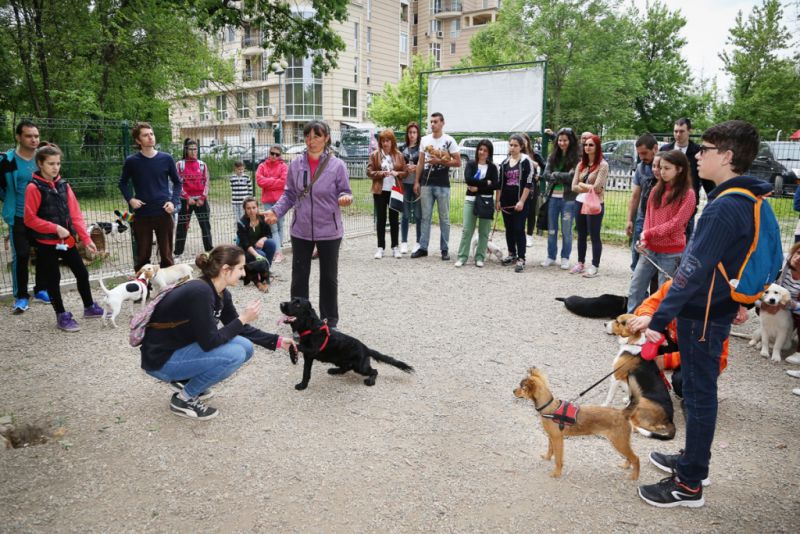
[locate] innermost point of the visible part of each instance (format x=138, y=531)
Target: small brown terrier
x=599, y=420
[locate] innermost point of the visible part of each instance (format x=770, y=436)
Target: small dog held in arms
x=132, y=290
x=318, y=342
x=598, y=420
x=776, y=328
x=161, y=277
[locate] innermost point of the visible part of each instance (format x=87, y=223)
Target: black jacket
x=244, y=237
x=487, y=185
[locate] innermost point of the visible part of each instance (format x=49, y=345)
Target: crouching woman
x=185, y=346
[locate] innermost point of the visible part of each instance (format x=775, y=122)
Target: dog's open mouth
x=286, y=319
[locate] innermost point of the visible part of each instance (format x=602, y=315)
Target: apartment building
x=377, y=34
x=443, y=28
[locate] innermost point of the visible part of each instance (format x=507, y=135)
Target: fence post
x=253, y=163
x=126, y=143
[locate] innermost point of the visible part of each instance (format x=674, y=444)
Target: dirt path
x=446, y=450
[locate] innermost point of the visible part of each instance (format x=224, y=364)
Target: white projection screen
x=499, y=101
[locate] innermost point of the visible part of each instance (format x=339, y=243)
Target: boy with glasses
x=271, y=178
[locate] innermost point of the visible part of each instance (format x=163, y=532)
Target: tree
x=398, y=104
x=762, y=83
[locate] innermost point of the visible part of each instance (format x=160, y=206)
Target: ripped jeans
x=557, y=209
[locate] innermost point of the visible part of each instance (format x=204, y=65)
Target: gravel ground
x=448, y=449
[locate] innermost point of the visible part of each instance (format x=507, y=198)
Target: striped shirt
x=241, y=188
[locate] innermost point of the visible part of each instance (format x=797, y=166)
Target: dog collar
x=546, y=404
x=140, y=280
x=323, y=328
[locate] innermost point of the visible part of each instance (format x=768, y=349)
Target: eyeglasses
x=191, y=149
x=276, y=154
x=588, y=144
x=705, y=148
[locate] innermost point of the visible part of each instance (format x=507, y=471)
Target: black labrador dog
x=318, y=342
x=604, y=306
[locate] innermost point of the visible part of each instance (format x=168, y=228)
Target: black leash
x=587, y=390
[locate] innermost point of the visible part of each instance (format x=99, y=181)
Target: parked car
x=621, y=157
x=608, y=148
x=788, y=154
x=261, y=154
x=219, y=152
x=357, y=143
x=770, y=169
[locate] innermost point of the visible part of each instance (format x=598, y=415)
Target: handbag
x=591, y=206
x=542, y=224
x=396, y=199
x=483, y=207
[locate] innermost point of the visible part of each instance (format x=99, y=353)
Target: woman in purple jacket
x=317, y=202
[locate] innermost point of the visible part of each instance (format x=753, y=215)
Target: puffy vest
x=54, y=207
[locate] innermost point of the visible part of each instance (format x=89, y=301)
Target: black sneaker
x=668, y=463
x=508, y=260
x=178, y=385
x=445, y=255
x=671, y=492
x=193, y=409
x=420, y=253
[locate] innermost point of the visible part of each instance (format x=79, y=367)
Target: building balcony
x=445, y=9
x=251, y=44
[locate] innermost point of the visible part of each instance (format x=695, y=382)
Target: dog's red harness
x=323, y=328
x=565, y=415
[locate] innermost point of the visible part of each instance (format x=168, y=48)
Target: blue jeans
x=638, y=226
x=410, y=208
x=277, y=228
x=268, y=250
x=429, y=194
x=700, y=371
x=204, y=369
x=558, y=208
x=644, y=272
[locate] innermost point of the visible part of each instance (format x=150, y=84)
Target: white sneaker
x=794, y=358
x=403, y=248
x=459, y=263
x=479, y=263
x=416, y=248
x=591, y=272
x=528, y=240
x=792, y=372
x=379, y=253
x=177, y=258
x=547, y=262
x=396, y=253
x=564, y=263
x=796, y=391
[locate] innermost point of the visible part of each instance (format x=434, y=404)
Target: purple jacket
x=317, y=217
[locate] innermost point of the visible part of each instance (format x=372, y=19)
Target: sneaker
x=20, y=306
x=794, y=358
x=479, y=263
x=66, y=323
x=668, y=462
x=193, y=409
x=459, y=263
x=177, y=258
x=576, y=269
x=671, y=492
x=178, y=385
x=528, y=241
x=378, y=253
x=42, y=296
x=591, y=272
x=278, y=257
x=416, y=248
x=93, y=312
x=396, y=253
x=403, y=248
x=520, y=266
x=445, y=256
x=796, y=391
x=419, y=253
x=792, y=372
x=565, y=263
x=508, y=260
x=548, y=262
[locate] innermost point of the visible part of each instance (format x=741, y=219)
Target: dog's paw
x=301, y=386
x=776, y=358
x=555, y=474
x=752, y=343
x=370, y=381
x=764, y=354
x=293, y=354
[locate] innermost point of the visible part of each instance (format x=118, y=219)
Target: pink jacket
x=271, y=178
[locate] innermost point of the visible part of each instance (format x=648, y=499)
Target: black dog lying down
x=604, y=306
x=317, y=342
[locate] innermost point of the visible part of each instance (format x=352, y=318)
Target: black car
x=771, y=170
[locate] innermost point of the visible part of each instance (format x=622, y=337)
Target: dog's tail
x=103, y=286
x=653, y=435
x=391, y=361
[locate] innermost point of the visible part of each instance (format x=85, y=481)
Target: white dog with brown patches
x=776, y=328
x=161, y=277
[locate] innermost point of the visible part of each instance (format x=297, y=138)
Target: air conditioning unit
x=440, y=34
x=270, y=110
x=427, y=34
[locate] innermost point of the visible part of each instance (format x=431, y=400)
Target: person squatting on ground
x=271, y=178
x=591, y=174
x=516, y=182
x=663, y=238
x=700, y=299
x=19, y=166
x=54, y=218
x=255, y=237
x=558, y=174
x=438, y=152
x=386, y=168
x=194, y=197
x=482, y=179
x=183, y=343
x=150, y=172
x=412, y=209
x=317, y=186
x=241, y=189
x=644, y=180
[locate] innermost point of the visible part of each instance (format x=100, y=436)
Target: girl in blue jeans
x=185, y=346
x=558, y=173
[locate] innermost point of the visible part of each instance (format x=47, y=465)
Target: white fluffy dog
x=491, y=249
x=776, y=328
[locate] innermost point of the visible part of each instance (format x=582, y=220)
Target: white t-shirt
x=437, y=174
x=387, y=164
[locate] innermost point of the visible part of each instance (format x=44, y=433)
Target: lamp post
x=279, y=67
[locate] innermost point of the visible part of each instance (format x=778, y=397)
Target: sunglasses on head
x=588, y=144
x=564, y=130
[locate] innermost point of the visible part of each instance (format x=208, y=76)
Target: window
x=455, y=27
x=369, y=9
x=436, y=52
x=230, y=34
x=349, y=103
x=403, y=43
x=303, y=90
x=414, y=19
x=264, y=72
x=436, y=26
x=403, y=12
x=221, y=110
x=202, y=108
x=242, y=107
x=262, y=103
x=369, y=70
x=355, y=71
x=247, y=72
x=452, y=49
x=414, y=41
x=356, y=36
x=369, y=39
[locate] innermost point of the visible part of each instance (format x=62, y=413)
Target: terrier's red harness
x=565, y=415
x=323, y=328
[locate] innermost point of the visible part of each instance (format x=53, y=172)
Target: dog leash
x=647, y=257
x=587, y=390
